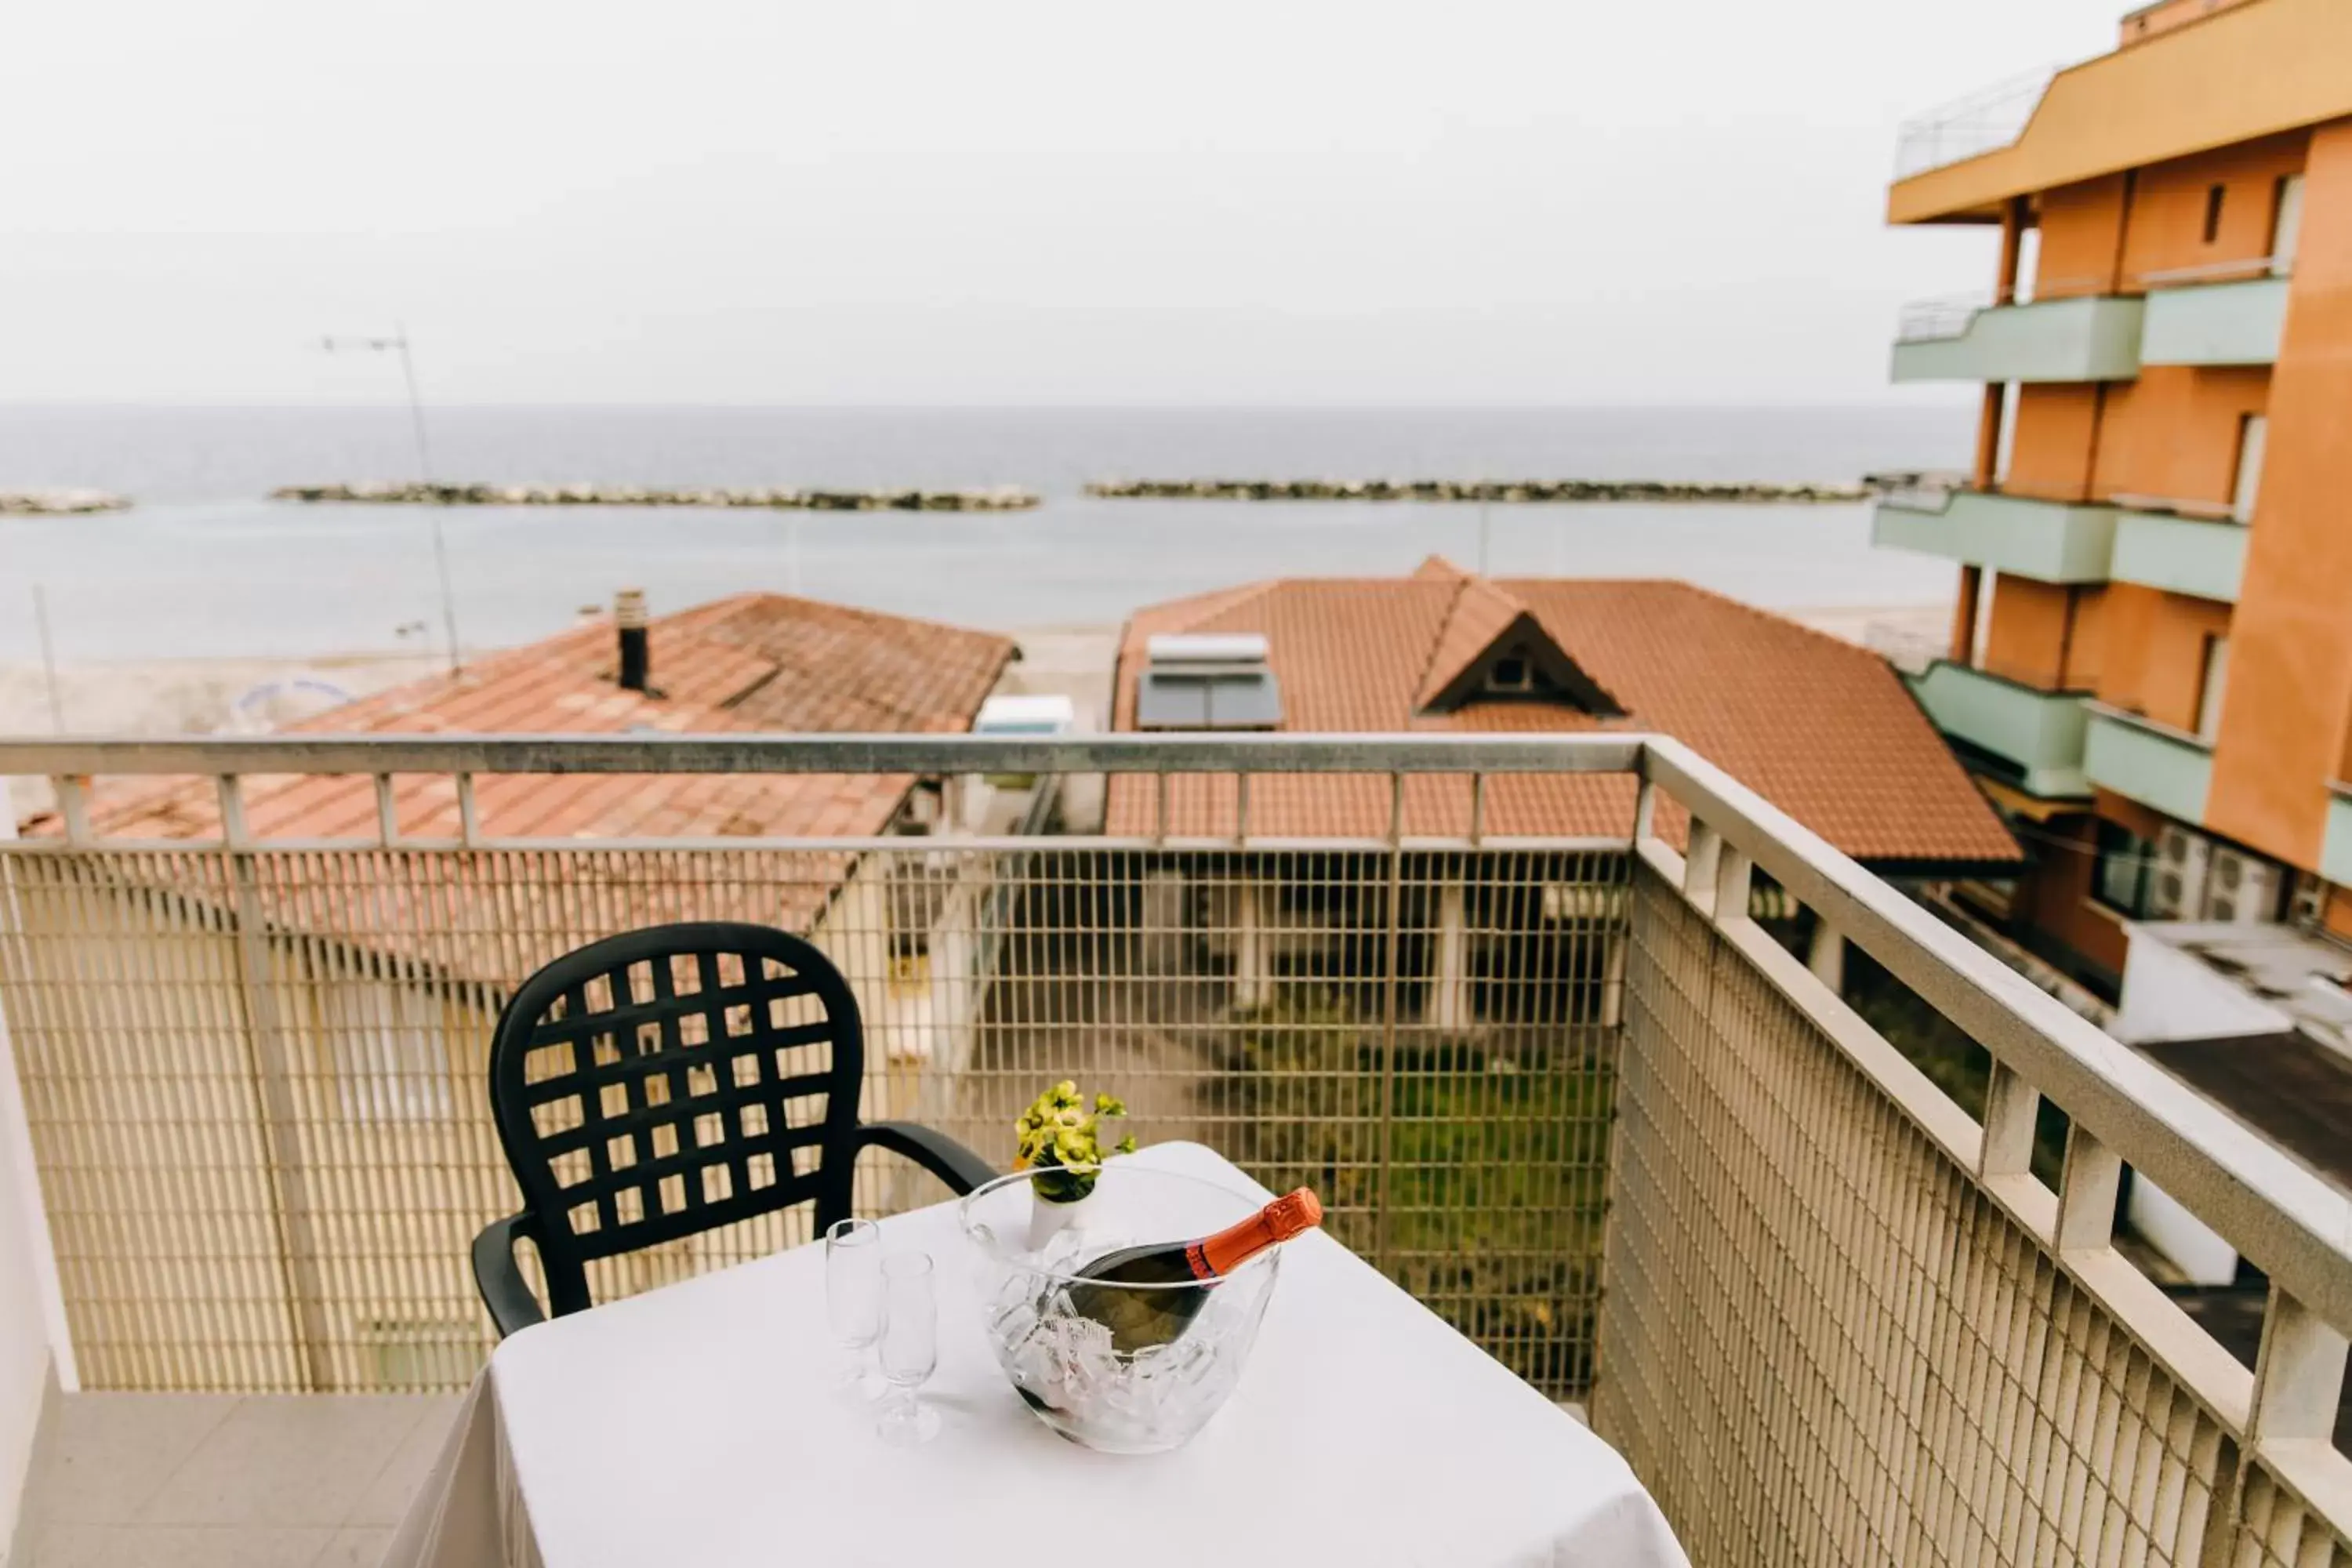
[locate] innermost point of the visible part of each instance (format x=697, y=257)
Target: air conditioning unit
x=2307, y=907
x=2242, y=889
x=2178, y=890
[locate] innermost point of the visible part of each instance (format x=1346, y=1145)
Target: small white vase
x=1048, y=1219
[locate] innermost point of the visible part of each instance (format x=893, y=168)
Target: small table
x=693, y=1426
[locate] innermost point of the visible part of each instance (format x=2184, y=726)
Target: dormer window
x=1518, y=663
x=1511, y=675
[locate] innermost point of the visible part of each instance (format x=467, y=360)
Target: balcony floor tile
x=123, y=1480
x=178, y=1546
x=108, y=1454
x=290, y=1458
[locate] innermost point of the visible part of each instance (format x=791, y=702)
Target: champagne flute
x=910, y=1348
x=853, y=1297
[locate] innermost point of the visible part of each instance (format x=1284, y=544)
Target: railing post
x=2011, y=1105
x=2087, y=1189
x=2298, y=1374
x=1699, y=867
x=72, y=791
x=1825, y=954
x=1392, y=950
x=276, y=1110
x=1734, y=876
x=387, y=812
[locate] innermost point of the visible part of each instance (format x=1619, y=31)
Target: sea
x=204, y=565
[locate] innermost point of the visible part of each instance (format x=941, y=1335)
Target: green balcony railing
x=2167, y=769
x=2035, y=738
x=2203, y=556
x=2092, y=338
x=2051, y=541
x=2215, y=323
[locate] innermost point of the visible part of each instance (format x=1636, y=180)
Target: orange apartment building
x=2150, y=668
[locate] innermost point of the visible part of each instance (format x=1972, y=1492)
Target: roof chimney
x=629, y=617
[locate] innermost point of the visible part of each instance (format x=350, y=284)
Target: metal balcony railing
x=1575, y=1092
x=1944, y=316
x=1971, y=126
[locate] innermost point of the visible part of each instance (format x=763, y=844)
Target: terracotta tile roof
x=751, y=662
x=756, y=662
x=1823, y=729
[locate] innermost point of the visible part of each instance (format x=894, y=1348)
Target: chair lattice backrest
x=658, y=1084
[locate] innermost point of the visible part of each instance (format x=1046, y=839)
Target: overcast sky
x=980, y=201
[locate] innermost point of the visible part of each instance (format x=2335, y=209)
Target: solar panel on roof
x=1178, y=700
x=1219, y=681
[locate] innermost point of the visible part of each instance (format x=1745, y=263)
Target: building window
x=2119, y=879
x=2213, y=198
x=2211, y=685
x=2246, y=483
x=1511, y=673
x=2286, y=225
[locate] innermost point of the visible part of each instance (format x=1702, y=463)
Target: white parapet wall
x=32, y=1328
x=2173, y=995
x=2192, y=1246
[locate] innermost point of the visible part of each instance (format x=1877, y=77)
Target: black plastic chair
x=647, y=1088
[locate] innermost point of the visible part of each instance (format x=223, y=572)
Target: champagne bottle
x=1140, y=1318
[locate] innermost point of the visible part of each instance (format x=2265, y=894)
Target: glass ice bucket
x=1064, y=1363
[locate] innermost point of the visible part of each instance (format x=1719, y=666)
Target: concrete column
x=1612, y=981
x=1826, y=956
x=1250, y=967
x=855, y=934
x=1162, y=919
x=948, y=1047
x=1449, y=987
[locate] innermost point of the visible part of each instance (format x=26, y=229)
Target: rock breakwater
x=1507, y=490
x=58, y=503
x=1001, y=498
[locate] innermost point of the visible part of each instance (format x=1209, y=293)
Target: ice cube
x=1013, y=1324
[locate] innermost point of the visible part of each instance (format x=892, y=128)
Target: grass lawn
x=1487, y=1204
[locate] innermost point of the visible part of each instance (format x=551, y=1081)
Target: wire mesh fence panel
x=1824, y=1341
x=256, y=1078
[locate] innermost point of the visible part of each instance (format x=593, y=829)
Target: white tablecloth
x=692, y=1425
